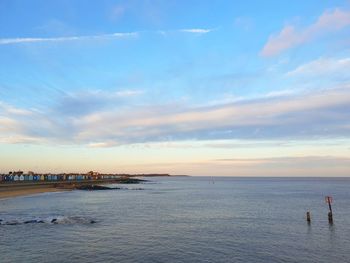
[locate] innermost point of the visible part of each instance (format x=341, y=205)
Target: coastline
x=28, y=191
x=16, y=189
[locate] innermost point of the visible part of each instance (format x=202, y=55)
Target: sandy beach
x=22, y=189
x=28, y=188
x=27, y=191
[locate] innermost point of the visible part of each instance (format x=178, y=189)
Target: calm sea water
x=183, y=219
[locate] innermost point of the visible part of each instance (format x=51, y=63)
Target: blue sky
x=250, y=88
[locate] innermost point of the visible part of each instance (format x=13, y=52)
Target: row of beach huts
x=19, y=176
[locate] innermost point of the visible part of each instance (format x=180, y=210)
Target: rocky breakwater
x=94, y=187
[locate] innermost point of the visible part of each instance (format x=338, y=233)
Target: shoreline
x=16, y=189
x=28, y=191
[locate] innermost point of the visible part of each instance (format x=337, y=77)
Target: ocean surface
x=182, y=219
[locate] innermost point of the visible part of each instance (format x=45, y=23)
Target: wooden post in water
x=308, y=217
x=329, y=201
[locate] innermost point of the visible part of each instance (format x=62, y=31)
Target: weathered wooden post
x=329, y=201
x=308, y=217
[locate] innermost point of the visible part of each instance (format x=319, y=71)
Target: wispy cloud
x=304, y=166
x=102, y=144
x=283, y=166
x=9, y=109
x=290, y=36
x=128, y=93
x=19, y=139
x=192, y=31
x=266, y=118
x=7, y=41
x=196, y=30
x=119, y=35
x=323, y=66
x=100, y=122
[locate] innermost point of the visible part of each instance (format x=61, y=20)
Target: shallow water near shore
x=182, y=219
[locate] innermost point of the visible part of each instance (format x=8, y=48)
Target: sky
x=213, y=88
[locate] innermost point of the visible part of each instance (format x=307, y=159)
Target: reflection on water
x=182, y=220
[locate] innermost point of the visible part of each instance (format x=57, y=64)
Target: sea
x=182, y=219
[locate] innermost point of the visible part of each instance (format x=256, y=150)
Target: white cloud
x=283, y=166
x=7, y=41
x=196, y=30
x=323, y=66
x=8, y=125
x=325, y=113
x=14, y=139
x=290, y=37
x=238, y=119
x=317, y=166
x=128, y=93
x=102, y=144
x=9, y=109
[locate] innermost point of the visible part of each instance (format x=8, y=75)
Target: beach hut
x=30, y=177
x=36, y=177
x=42, y=177
x=21, y=177
x=1, y=178
x=15, y=178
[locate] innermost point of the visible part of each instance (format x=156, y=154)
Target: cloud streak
x=8, y=41
x=303, y=166
x=196, y=30
x=119, y=35
x=283, y=166
x=312, y=115
x=290, y=36
x=92, y=121
x=322, y=67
